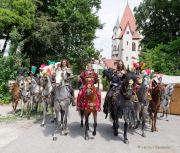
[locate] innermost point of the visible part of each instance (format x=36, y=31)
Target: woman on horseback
x=64, y=66
x=116, y=78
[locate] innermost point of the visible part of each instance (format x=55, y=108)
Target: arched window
x=133, y=46
x=114, y=47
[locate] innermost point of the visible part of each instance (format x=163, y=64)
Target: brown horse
x=154, y=105
x=15, y=94
x=89, y=102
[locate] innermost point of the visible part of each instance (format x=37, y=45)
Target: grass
x=16, y=117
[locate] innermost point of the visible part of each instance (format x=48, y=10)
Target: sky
x=108, y=14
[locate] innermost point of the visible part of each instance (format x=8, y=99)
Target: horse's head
x=90, y=87
x=158, y=91
x=43, y=81
x=127, y=87
x=12, y=85
x=25, y=86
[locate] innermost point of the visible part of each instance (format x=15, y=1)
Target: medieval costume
x=116, y=78
x=92, y=78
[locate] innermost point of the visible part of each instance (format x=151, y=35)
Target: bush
x=74, y=82
x=105, y=83
x=8, y=71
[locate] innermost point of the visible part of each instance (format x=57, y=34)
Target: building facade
x=126, y=39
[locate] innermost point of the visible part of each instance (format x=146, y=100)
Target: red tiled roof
x=128, y=19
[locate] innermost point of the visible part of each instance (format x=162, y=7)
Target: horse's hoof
x=81, y=125
x=86, y=138
x=126, y=141
x=116, y=134
x=28, y=117
x=143, y=135
x=66, y=132
x=156, y=130
x=54, y=138
x=53, y=120
x=42, y=125
x=167, y=120
x=94, y=133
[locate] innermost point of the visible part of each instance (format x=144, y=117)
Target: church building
x=126, y=39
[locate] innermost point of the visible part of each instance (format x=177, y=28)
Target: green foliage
x=64, y=29
x=105, y=84
x=8, y=71
x=17, y=14
x=74, y=82
x=165, y=58
x=158, y=21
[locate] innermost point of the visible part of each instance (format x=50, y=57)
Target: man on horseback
x=116, y=78
x=89, y=74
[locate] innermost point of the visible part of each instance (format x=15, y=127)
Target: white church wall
x=127, y=47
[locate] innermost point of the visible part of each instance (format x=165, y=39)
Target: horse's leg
x=82, y=116
x=56, y=124
x=143, y=122
x=167, y=114
x=22, y=107
x=44, y=112
x=115, y=124
x=16, y=103
x=28, y=110
x=125, y=133
x=62, y=119
x=95, y=122
x=65, y=120
x=155, y=118
x=163, y=112
x=86, y=113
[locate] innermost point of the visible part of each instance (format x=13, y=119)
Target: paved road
x=29, y=137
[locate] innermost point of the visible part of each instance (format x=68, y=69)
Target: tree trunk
x=5, y=44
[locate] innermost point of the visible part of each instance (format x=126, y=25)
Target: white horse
x=46, y=88
x=25, y=86
x=35, y=93
x=166, y=99
x=61, y=101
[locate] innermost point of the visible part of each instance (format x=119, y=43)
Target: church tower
x=125, y=39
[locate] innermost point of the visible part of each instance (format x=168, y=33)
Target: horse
x=35, y=93
x=122, y=106
x=89, y=103
x=15, y=93
x=154, y=105
x=46, y=89
x=62, y=100
x=141, y=102
x=25, y=86
x=165, y=102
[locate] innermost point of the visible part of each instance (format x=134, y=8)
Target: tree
x=64, y=29
x=15, y=14
x=158, y=21
x=165, y=58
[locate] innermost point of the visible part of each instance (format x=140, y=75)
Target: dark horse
x=156, y=94
x=141, y=105
x=122, y=105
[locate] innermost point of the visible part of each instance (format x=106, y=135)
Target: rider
x=89, y=73
x=116, y=78
x=66, y=67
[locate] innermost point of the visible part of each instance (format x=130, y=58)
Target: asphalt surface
x=25, y=136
